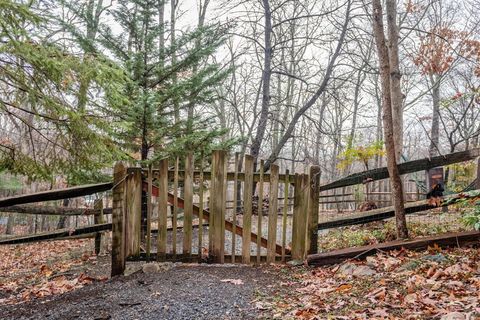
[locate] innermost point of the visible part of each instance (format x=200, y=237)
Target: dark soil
x=182, y=292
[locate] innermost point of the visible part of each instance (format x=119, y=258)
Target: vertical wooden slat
x=98, y=218
x=477, y=185
x=175, y=209
x=118, y=219
x=299, y=227
x=235, y=200
x=247, y=212
x=285, y=212
x=217, y=207
x=134, y=212
x=188, y=210
x=260, y=211
x=200, y=211
x=313, y=203
x=162, y=209
x=149, y=211
x=272, y=214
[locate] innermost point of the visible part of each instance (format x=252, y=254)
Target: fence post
x=477, y=185
x=188, y=208
x=217, y=207
x=133, y=212
x=162, y=210
x=272, y=214
x=313, y=204
x=247, y=212
x=97, y=219
x=300, y=210
x=118, y=219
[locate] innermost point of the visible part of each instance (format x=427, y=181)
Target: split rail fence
x=150, y=205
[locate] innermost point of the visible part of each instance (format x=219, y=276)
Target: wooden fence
x=160, y=187
x=193, y=196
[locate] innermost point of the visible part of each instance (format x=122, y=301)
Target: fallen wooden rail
x=443, y=241
x=389, y=212
x=63, y=233
x=59, y=194
x=53, y=211
x=403, y=168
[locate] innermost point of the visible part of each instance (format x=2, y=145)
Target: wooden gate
x=219, y=215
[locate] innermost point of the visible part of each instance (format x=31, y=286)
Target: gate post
x=133, y=212
x=300, y=213
x=118, y=219
x=217, y=207
x=313, y=206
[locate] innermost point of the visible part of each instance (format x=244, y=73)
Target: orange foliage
x=437, y=50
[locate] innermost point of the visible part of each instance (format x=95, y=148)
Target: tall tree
x=390, y=82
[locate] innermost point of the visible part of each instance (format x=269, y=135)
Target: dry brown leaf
x=233, y=281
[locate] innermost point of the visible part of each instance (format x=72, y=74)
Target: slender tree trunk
x=266, y=77
x=173, y=12
x=395, y=78
x=435, y=131
x=386, y=75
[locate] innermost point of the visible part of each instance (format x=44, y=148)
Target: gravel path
x=182, y=292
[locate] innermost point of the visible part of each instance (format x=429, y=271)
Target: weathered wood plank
x=404, y=168
x=118, y=219
x=443, y=241
x=200, y=206
x=162, y=209
x=285, y=213
x=188, y=211
x=59, y=194
x=235, y=201
x=53, y=211
x=133, y=203
x=175, y=206
x=272, y=214
x=299, y=216
x=260, y=210
x=148, y=243
x=98, y=219
x=230, y=176
x=313, y=207
x=217, y=207
x=247, y=203
x=62, y=234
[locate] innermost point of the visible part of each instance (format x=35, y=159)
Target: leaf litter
x=30, y=271
x=404, y=284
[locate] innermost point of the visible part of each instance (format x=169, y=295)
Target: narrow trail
x=182, y=292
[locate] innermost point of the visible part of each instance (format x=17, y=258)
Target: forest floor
x=64, y=280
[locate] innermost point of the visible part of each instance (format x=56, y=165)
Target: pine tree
x=161, y=80
x=44, y=131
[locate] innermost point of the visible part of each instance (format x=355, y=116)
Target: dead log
x=443, y=241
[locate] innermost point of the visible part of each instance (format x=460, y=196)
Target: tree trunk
x=266, y=77
x=386, y=75
x=435, y=132
x=313, y=99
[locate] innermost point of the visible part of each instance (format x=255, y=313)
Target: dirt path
x=182, y=292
